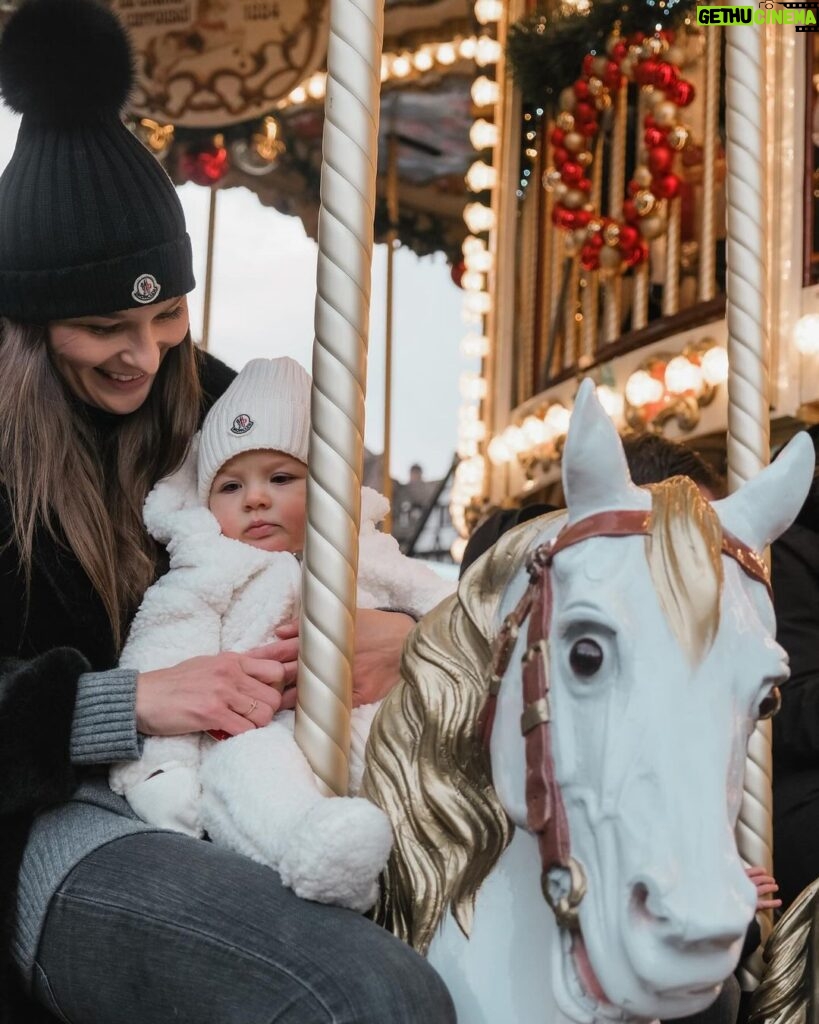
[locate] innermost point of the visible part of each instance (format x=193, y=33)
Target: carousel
x=626, y=196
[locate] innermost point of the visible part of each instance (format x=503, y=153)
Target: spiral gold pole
x=339, y=376
x=707, y=283
x=671, y=288
x=748, y=426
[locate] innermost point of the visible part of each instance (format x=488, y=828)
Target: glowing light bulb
x=516, y=440
x=488, y=11
x=477, y=303
x=479, y=218
x=475, y=346
x=401, y=66
x=472, y=386
x=423, y=60
x=481, y=176
x=467, y=47
x=317, y=85
x=484, y=134
x=298, y=95
x=446, y=54
x=487, y=51
x=557, y=419
x=611, y=400
x=499, y=451
x=643, y=389
x=472, y=281
x=485, y=92
x=806, y=334
x=682, y=375
x=714, y=366
x=534, y=430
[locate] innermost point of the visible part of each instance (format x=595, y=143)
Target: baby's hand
x=765, y=885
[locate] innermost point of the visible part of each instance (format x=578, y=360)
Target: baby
x=233, y=520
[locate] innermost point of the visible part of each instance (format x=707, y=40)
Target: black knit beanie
x=89, y=221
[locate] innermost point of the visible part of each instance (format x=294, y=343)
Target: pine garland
x=545, y=49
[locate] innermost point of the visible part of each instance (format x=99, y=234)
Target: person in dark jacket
x=795, y=580
x=104, y=919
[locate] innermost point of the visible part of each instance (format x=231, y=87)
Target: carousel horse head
x=595, y=682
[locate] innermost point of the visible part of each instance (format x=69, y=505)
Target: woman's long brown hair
x=84, y=492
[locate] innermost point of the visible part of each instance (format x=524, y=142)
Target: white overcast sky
x=262, y=305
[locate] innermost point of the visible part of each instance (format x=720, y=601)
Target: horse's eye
x=586, y=657
x=771, y=704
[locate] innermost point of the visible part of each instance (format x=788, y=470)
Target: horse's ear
x=766, y=506
x=595, y=472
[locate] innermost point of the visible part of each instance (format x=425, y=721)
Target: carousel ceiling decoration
x=213, y=63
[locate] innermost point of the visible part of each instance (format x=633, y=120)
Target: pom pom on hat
x=65, y=61
x=267, y=407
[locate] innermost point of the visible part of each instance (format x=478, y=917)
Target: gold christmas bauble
x=665, y=113
x=610, y=258
x=594, y=227
x=567, y=99
x=551, y=178
x=652, y=47
x=574, y=199
x=675, y=56
x=611, y=42
x=603, y=101
x=574, y=142
x=678, y=137
x=585, y=158
x=565, y=121
x=644, y=202
x=596, y=87
x=600, y=66
x=652, y=227
x=611, y=234
x=561, y=188
x=642, y=175
x=627, y=66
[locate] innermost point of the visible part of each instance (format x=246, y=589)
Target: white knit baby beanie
x=266, y=406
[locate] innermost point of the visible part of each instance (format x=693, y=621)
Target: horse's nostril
x=642, y=907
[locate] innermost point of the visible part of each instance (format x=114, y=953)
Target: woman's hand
x=379, y=640
x=765, y=887
x=228, y=692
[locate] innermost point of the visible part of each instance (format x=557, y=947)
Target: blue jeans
x=157, y=928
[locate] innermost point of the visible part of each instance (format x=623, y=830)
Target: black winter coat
x=44, y=648
x=795, y=578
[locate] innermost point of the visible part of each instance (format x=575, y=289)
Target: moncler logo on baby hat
x=241, y=424
x=146, y=288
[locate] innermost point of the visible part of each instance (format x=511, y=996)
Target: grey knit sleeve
x=104, y=725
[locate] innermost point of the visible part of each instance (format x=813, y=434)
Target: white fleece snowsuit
x=256, y=793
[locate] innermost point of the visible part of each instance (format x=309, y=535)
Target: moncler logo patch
x=146, y=288
x=241, y=424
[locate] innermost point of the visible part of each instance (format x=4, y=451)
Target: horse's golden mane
x=425, y=764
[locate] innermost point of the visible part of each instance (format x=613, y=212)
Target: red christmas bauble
x=654, y=137
x=619, y=51
x=581, y=89
x=571, y=172
x=630, y=211
x=589, y=260
x=645, y=71
x=585, y=185
x=559, y=157
x=666, y=75
x=596, y=240
x=556, y=136
x=457, y=271
x=205, y=167
x=612, y=77
x=563, y=218
x=667, y=186
x=587, y=128
x=634, y=255
x=629, y=237
x=581, y=218
x=584, y=111
x=588, y=60
x=682, y=93
x=660, y=159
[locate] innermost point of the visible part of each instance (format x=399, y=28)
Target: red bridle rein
x=546, y=815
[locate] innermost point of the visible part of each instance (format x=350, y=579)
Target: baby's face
x=260, y=498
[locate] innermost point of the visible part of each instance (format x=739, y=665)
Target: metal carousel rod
x=339, y=376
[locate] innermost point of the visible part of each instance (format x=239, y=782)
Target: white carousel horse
x=651, y=646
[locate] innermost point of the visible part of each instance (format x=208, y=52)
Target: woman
x=115, y=922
